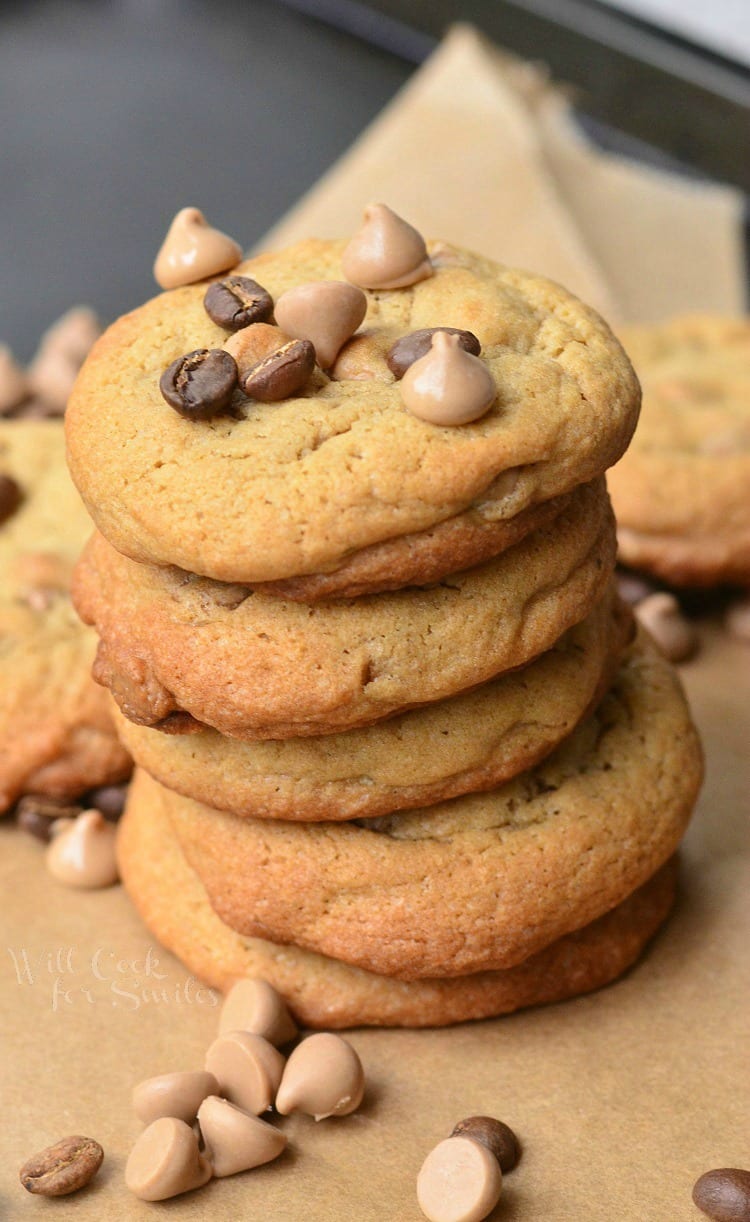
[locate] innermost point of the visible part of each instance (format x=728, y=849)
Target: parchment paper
x=620, y=1099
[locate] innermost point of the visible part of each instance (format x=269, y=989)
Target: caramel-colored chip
x=327, y=312
x=386, y=253
x=448, y=385
x=247, y=1068
x=193, y=250
x=83, y=855
x=254, y=1005
x=323, y=1077
x=460, y=1181
x=236, y=1140
x=173, y=1094
x=166, y=1161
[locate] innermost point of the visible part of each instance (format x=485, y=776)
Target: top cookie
x=286, y=489
x=682, y=492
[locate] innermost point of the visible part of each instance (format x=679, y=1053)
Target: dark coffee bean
x=10, y=496
x=499, y=1139
x=724, y=1195
x=201, y=384
x=65, y=1167
x=36, y=813
x=236, y=302
x=410, y=348
x=282, y=373
x=109, y=800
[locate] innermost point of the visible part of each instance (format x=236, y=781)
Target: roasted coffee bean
x=109, y=800
x=410, y=348
x=282, y=373
x=236, y=302
x=499, y=1139
x=201, y=384
x=10, y=496
x=724, y=1195
x=65, y=1167
x=36, y=814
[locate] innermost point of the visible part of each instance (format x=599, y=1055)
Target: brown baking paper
x=481, y=149
x=620, y=1099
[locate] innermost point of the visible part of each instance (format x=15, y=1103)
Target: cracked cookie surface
x=482, y=881
x=324, y=992
x=255, y=666
x=296, y=487
x=468, y=742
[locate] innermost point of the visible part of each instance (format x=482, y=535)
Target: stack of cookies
x=398, y=751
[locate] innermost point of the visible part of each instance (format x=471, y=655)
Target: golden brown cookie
x=323, y=992
x=56, y=731
x=682, y=491
x=469, y=742
x=290, y=488
x=258, y=667
x=482, y=881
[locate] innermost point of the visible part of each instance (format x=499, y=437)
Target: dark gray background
x=116, y=114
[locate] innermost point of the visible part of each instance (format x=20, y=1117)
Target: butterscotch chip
x=254, y=1005
x=326, y=312
x=344, y=467
x=173, y=1094
x=237, y=1141
x=193, y=250
x=323, y=1077
x=83, y=854
x=459, y=1181
x=386, y=253
x=448, y=386
x=327, y=993
x=166, y=1161
x=248, y=1069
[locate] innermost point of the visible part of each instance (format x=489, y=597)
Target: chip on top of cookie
x=519, y=393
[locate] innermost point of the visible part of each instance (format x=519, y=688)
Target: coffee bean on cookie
x=281, y=373
x=724, y=1194
x=10, y=497
x=200, y=385
x=499, y=1139
x=65, y=1167
x=236, y=302
x=411, y=348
